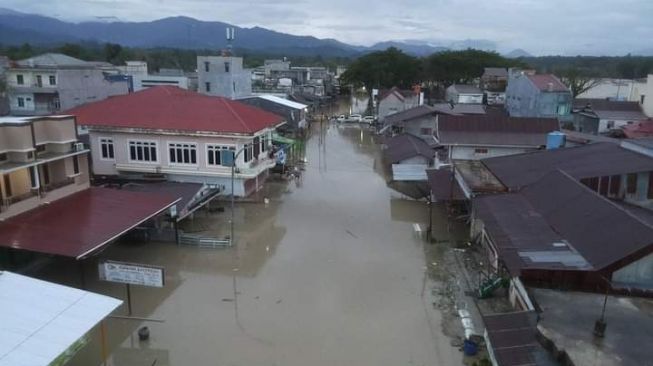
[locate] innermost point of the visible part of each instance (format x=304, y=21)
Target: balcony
x=56, y=185
x=35, y=88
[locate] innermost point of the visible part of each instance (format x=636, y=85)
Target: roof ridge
x=233, y=112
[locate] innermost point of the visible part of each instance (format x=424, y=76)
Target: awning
x=40, y=320
x=283, y=140
x=80, y=224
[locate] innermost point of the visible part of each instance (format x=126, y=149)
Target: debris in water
x=352, y=234
x=266, y=201
x=227, y=300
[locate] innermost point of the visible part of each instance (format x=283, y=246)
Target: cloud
x=539, y=26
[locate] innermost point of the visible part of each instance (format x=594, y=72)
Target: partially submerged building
x=52, y=82
x=396, y=100
x=180, y=136
x=409, y=157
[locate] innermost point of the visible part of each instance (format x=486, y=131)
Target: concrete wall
x=614, y=89
x=523, y=99
x=647, y=106
x=16, y=138
x=146, y=81
x=469, y=152
x=638, y=274
x=55, y=130
x=416, y=125
x=234, y=84
x=81, y=86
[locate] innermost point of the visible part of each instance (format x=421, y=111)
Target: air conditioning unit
x=79, y=146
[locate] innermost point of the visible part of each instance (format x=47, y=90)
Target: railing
x=202, y=241
x=18, y=198
x=56, y=185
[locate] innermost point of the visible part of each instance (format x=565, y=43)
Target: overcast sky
x=538, y=26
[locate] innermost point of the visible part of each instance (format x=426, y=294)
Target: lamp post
x=233, y=173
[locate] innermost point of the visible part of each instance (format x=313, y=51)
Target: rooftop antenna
x=231, y=35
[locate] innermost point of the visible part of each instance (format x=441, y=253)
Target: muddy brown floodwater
x=328, y=272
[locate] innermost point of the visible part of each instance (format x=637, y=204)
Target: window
x=143, y=151
x=3, y=157
x=615, y=185
x=32, y=176
x=226, y=67
x=39, y=80
x=106, y=149
x=631, y=183
x=45, y=173
x=40, y=148
x=7, y=185
x=257, y=146
x=264, y=143
x=75, y=164
x=249, y=152
x=220, y=155
x=207, y=86
x=610, y=124
x=562, y=109
x=206, y=66
x=425, y=131
x=20, y=80
x=21, y=102
x=480, y=151
x=182, y=153
x=52, y=80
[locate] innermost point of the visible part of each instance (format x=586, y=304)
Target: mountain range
x=183, y=32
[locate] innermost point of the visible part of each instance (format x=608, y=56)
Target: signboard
x=131, y=273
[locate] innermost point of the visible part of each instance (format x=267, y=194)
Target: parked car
x=341, y=118
x=354, y=118
x=368, y=119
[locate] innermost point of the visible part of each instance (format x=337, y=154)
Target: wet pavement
x=329, y=272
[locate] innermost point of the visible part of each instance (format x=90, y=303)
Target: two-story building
x=541, y=96
x=464, y=94
x=396, y=100
x=223, y=76
x=182, y=136
x=493, y=83
x=53, y=82
x=41, y=161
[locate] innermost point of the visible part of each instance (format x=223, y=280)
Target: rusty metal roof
x=406, y=146
x=587, y=161
x=495, y=130
x=81, y=224
x=512, y=338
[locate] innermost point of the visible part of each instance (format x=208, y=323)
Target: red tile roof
x=172, y=108
x=639, y=129
x=80, y=224
x=542, y=82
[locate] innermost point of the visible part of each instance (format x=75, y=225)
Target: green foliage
x=627, y=67
x=383, y=69
x=451, y=67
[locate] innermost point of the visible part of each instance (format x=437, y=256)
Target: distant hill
x=413, y=49
x=517, y=53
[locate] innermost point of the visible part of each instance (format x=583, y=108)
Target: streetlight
x=233, y=173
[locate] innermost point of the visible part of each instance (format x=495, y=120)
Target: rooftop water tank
x=555, y=140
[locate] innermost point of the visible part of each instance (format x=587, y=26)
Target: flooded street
x=329, y=272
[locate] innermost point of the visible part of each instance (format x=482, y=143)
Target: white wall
x=615, y=89
x=468, y=152
x=648, y=98
x=470, y=98
x=603, y=124
x=636, y=274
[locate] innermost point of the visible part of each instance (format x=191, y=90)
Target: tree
x=72, y=50
x=383, y=69
x=111, y=53
x=577, y=81
x=451, y=67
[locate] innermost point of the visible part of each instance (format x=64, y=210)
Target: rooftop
x=513, y=341
x=637, y=130
x=16, y=120
x=409, y=114
x=283, y=101
x=568, y=319
x=42, y=320
x=495, y=72
x=494, y=130
x=606, y=105
x=458, y=109
x=98, y=216
x=547, y=82
x=466, y=89
x=586, y=161
x=558, y=223
x=175, y=109
x=406, y=146
x=53, y=60
x=443, y=185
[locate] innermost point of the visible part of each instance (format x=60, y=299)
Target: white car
x=354, y=118
x=368, y=119
x=341, y=118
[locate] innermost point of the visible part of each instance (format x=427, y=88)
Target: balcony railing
x=56, y=185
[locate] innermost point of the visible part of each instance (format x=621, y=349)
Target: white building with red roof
x=180, y=135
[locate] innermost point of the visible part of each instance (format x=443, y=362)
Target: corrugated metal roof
x=82, y=223
x=283, y=101
x=175, y=109
x=606, y=105
x=512, y=338
x=587, y=161
x=52, y=60
x=458, y=109
x=444, y=186
x=408, y=114
x=406, y=146
x=495, y=72
x=40, y=320
x=409, y=172
x=466, y=89
x=494, y=129
x=545, y=81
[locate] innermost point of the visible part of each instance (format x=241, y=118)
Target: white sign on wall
x=131, y=273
